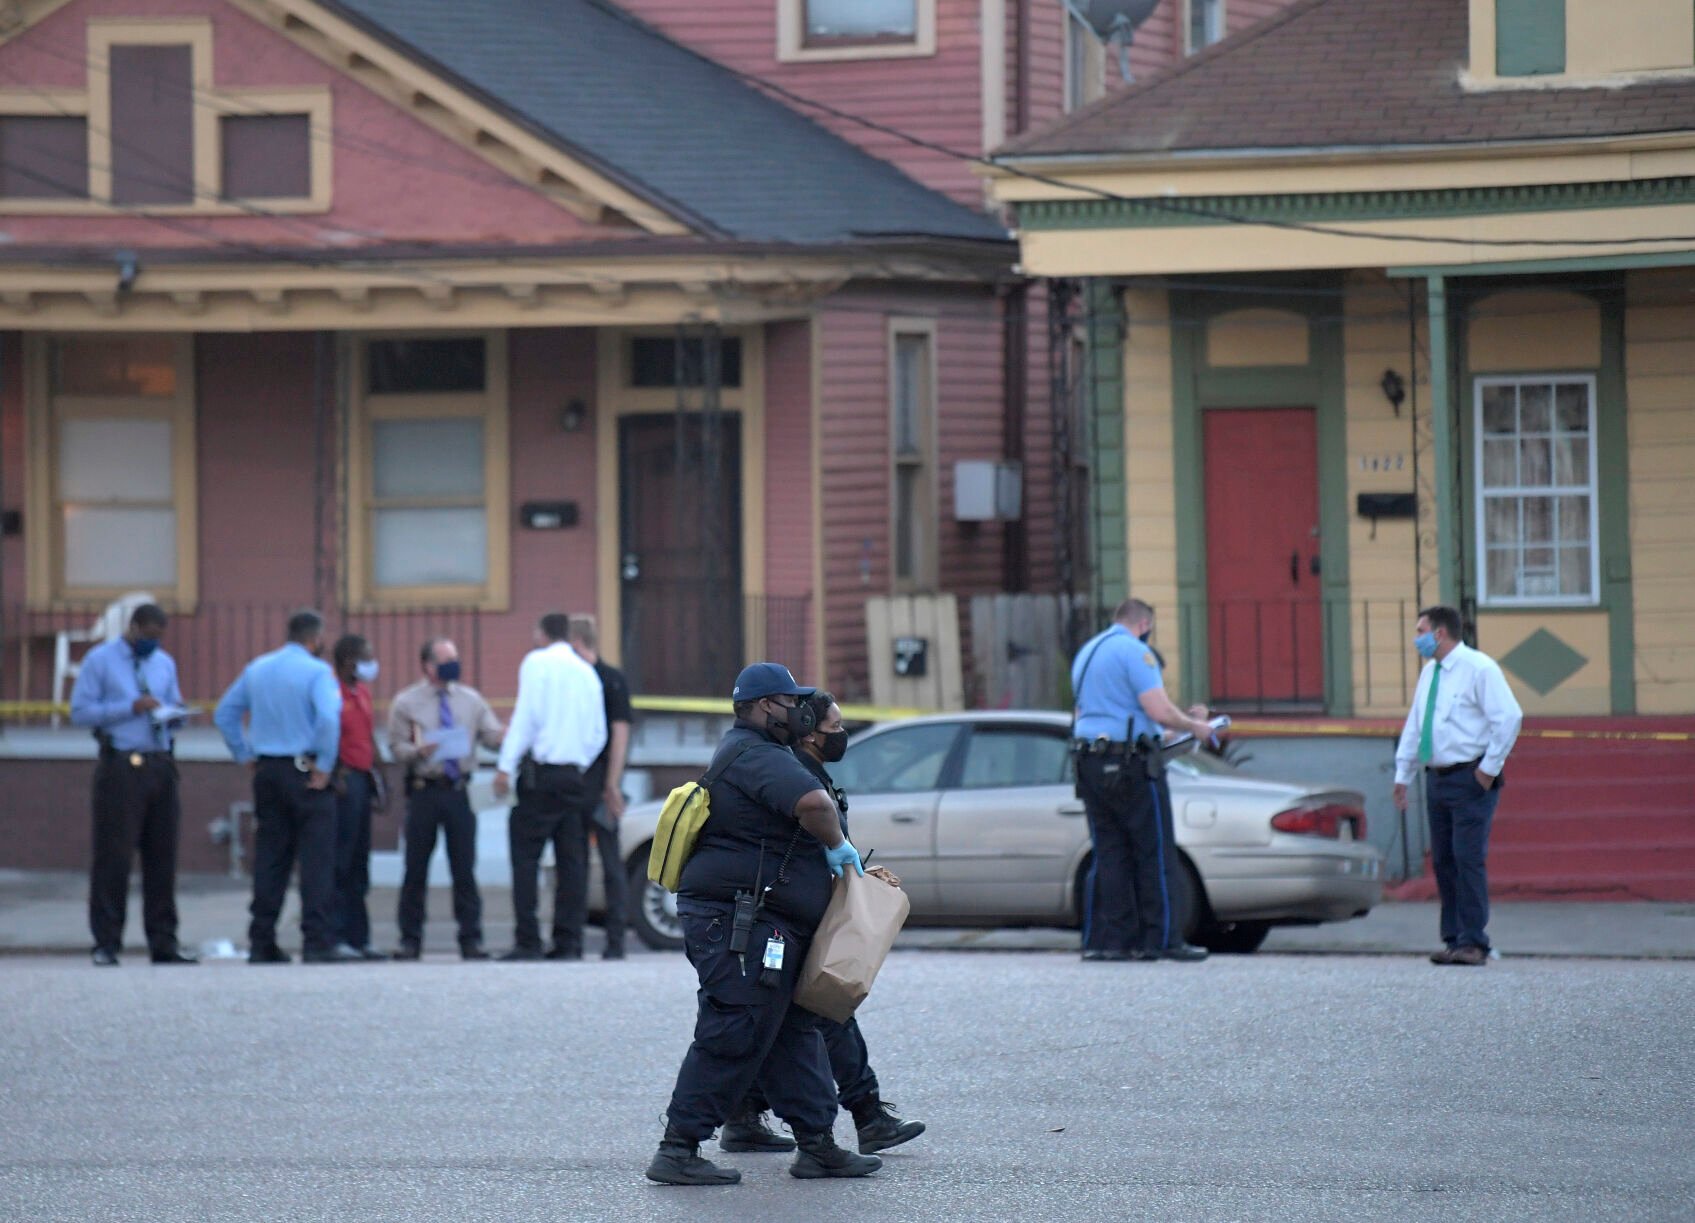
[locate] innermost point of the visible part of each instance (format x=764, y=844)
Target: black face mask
x=798, y=722
x=834, y=746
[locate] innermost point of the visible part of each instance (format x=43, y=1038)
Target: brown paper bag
x=859, y=927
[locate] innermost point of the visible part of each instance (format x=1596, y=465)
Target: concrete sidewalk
x=48, y=912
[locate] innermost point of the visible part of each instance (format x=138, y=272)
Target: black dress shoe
x=1184, y=953
x=560, y=953
x=269, y=955
x=175, y=956
x=612, y=953
x=331, y=955
x=408, y=950
x=371, y=953
x=472, y=951
x=519, y=954
x=105, y=957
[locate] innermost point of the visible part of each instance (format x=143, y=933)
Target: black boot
x=747, y=1131
x=820, y=1156
x=678, y=1162
x=880, y=1127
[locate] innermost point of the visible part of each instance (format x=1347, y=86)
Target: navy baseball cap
x=763, y=679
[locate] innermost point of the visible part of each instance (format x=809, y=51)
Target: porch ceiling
x=305, y=293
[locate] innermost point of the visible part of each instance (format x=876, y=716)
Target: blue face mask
x=1425, y=644
x=447, y=672
x=366, y=670
x=143, y=646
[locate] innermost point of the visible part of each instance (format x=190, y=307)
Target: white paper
x=164, y=715
x=452, y=743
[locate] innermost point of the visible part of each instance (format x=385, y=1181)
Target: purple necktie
x=449, y=768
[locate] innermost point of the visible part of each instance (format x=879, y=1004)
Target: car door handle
x=1072, y=809
x=906, y=817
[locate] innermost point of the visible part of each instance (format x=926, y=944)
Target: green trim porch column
x=1442, y=432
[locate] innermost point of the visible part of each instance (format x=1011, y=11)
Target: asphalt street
x=1288, y=1088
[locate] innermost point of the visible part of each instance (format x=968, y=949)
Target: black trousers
x=135, y=809
x=557, y=806
x=850, y=1065
x=446, y=809
x=353, y=857
x=1130, y=905
x=614, y=882
x=748, y=1034
x=293, y=822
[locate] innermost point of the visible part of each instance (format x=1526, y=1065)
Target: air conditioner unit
x=987, y=491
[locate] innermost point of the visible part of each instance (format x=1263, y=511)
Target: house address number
x=1383, y=462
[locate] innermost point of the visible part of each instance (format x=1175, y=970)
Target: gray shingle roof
x=667, y=124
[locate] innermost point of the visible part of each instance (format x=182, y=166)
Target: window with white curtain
x=431, y=472
x=117, y=489
x=1537, y=510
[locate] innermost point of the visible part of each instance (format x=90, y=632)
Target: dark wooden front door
x=680, y=552
x=1265, y=615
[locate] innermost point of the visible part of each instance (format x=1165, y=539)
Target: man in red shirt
x=357, y=784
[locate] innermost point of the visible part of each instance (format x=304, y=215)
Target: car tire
x=653, y=910
x=1233, y=938
x=1191, y=910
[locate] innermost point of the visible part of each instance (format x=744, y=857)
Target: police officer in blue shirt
x=122, y=684
x=292, y=703
x=1121, y=706
x=752, y=894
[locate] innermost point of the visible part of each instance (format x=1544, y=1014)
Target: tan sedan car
x=976, y=813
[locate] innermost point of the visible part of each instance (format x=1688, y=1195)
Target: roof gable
x=1337, y=74
x=683, y=130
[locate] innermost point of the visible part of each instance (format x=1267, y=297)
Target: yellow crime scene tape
x=891, y=713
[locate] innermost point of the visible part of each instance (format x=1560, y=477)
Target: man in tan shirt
x=434, y=727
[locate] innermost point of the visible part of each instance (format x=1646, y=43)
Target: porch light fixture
x=573, y=415
x=1394, y=389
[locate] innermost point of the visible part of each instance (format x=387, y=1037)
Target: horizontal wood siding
x=788, y=463
x=394, y=178
x=1660, y=387
x=856, y=456
x=937, y=98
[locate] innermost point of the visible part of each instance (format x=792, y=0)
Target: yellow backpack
x=687, y=808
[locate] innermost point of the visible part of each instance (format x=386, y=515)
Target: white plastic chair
x=111, y=623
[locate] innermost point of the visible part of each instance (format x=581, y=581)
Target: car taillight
x=1325, y=821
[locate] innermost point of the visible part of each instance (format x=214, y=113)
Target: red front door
x=1265, y=618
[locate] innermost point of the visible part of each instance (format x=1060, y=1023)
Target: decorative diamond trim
x=1543, y=661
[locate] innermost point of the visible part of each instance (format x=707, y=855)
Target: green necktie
x=1427, y=736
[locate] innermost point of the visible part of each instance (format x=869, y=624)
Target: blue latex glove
x=841, y=855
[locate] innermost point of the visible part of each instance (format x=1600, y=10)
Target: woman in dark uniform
x=856, y=1083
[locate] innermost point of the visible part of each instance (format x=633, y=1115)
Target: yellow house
x=1392, y=302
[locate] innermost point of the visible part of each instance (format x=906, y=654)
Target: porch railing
x=215, y=641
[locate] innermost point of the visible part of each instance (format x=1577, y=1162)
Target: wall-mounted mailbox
x=912, y=656
x=548, y=515
x=1387, y=505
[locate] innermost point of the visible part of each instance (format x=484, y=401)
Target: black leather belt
x=1100, y=747
x=437, y=783
x=1444, y=770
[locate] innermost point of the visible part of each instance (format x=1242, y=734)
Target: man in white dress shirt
x=1462, y=724
x=558, y=730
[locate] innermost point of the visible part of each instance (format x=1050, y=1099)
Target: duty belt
x=1102, y=747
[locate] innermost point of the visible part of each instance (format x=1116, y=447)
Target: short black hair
x=427, y=651
x=821, y=702
x=743, y=708
x=148, y=615
x=1445, y=618
x=555, y=626
x=348, y=651
x=305, y=625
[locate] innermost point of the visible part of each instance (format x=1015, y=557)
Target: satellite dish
x=1114, y=19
